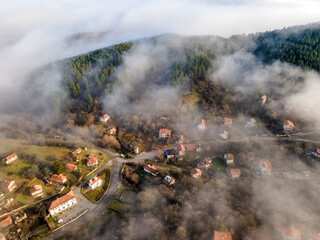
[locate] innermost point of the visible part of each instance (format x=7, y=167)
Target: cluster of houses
x=8, y=222
x=151, y=169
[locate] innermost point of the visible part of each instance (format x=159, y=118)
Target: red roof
x=203, y=122
x=151, y=168
x=6, y=222
x=181, y=148
x=94, y=180
x=113, y=130
x=222, y=235
x=77, y=151
x=72, y=167
x=164, y=131
x=291, y=232
x=225, y=132
x=35, y=188
x=60, y=177
x=287, y=122
x=228, y=121
x=316, y=237
x=195, y=171
x=264, y=97
x=267, y=164
x=12, y=155
x=65, y=198
x=235, y=171
x=318, y=150
x=92, y=160
x=192, y=147
x=105, y=116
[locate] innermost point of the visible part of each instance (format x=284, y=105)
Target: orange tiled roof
x=65, y=198
x=94, y=181
x=291, y=232
x=235, y=171
x=78, y=150
x=195, y=171
x=12, y=155
x=164, y=131
x=59, y=177
x=287, y=122
x=264, y=97
x=35, y=188
x=151, y=168
x=92, y=160
x=7, y=221
x=105, y=116
x=72, y=167
x=267, y=164
x=222, y=235
x=203, y=122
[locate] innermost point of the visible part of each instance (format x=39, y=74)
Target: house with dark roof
x=8, y=185
x=228, y=158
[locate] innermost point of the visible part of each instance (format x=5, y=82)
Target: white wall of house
x=146, y=170
x=95, y=185
x=224, y=136
x=63, y=206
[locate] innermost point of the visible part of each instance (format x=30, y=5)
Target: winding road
x=117, y=164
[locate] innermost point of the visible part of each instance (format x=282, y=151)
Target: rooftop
x=64, y=198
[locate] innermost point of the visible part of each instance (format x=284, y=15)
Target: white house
x=10, y=158
x=265, y=167
x=202, y=126
x=235, y=172
x=196, y=173
x=62, y=203
x=92, y=161
x=36, y=191
x=164, y=133
x=224, y=135
x=104, y=118
x=290, y=234
x=288, y=125
x=228, y=157
x=181, y=149
x=263, y=99
x=94, y=183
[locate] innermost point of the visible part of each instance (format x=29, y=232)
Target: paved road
x=96, y=209
x=117, y=164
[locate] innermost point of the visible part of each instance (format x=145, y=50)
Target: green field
x=219, y=164
x=118, y=206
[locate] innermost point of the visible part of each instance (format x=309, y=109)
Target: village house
x=290, y=234
x=62, y=203
x=36, y=191
x=222, y=236
x=6, y=222
x=251, y=156
x=181, y=149
x=202, y=126
x=164, y=133
x=192, y=148
x=92, y=161
x=288, y=126
x=72, y=167
x=169, y=153
x=251, y=123
x=228, y=122
x=8, y=185
x=94, y=183
x=60, y=188
x=196, y=173
x=59, y=178
x=112, y=131
x=205, y=163
x=263, y=99
x=181, y=139
x=136, y=150
x=315, y=237
x=169, y=180
x=228, y=157
x=10, y=158
x=104, y=118
x=265, y=167
x=150, y=168
x=2, y=237
x=224, y=135
x=235, y=172
x=77, y=151
x=306, y=173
